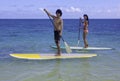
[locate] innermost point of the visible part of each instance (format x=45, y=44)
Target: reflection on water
x=47, y=70
x=91, y=69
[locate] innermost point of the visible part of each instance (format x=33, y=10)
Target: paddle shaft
x=80, y=24
x=79, y=30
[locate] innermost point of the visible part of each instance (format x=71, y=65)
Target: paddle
x=80, y=24
x=67, y=47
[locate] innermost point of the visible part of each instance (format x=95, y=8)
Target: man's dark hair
x=59, y=11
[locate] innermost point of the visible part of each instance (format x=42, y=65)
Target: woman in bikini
x=85, y=29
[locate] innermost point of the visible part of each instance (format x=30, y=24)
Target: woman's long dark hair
x=87, y=17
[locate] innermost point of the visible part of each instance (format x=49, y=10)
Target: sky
x=33, y=9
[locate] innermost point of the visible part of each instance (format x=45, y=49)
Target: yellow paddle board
x=50, y=56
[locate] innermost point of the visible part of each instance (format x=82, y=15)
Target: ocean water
x=36, y=36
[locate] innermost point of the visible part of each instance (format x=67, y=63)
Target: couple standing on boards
x=58, y=27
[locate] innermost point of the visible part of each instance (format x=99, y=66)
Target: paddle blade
x=67, y=47
x=78, y=42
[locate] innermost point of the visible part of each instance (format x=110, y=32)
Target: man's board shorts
x=57, y=35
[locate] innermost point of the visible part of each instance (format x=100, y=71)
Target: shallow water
x=26, y=36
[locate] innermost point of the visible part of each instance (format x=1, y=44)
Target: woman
x=85, y=29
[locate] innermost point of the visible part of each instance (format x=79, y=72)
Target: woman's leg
x=85, y=40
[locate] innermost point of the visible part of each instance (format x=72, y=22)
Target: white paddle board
x=82, y=48
x=50, y=56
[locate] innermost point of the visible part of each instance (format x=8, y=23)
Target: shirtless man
x=58, y=26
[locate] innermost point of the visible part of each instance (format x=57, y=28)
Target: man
x=58, y=27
